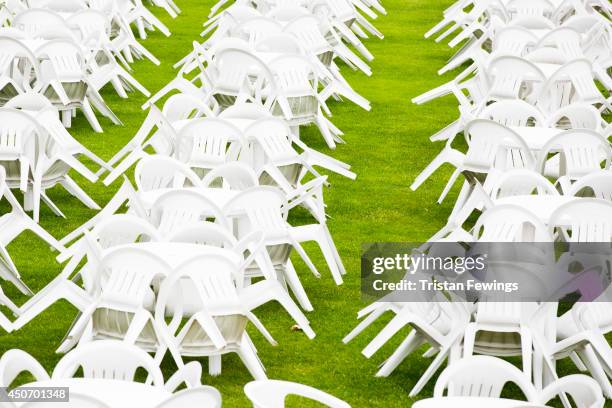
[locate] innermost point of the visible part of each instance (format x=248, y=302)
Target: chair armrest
x=190, y=374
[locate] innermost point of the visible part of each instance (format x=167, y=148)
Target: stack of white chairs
x=68, y=51
x=534, y=106
x=206, y=237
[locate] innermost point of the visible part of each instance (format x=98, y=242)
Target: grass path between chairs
x=387, y=148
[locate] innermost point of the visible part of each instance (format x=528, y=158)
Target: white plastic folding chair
x=482, y=376
x=95, y=32
x=125, y=42
x=108, y=359
x=576, y=116
x=136, y=12
x=176, y=209
x=19, y=68
x=255, y=29
x=36, y=21
x=572, y=82
x=592, y=354
x=206, y=143
x=584, y=391
x=121, y=311
x=15, y=362
x=575, y=153
x=298, y=99
x=438, y=323
x=64, y=82
x=261, y=209
x=514, y=78
x=240, y=76
x=272, y=394
x=272, y=154
x=490, y=146
x=233, y=176
x=513, y=113
x=597, y=184
x=159, y=172
x=219, y=326
x=37, y=105
x=306, y=29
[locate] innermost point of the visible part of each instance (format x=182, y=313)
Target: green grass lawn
x=387, y=148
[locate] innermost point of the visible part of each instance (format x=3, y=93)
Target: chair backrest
x=122, y=229
x=581, y=151
x=212, y=278
x=93, y=24
x=31, y=101
x=258, y=209
x=597, y=184
x=585, y=391
x=108, y=359
x=201, y=396
x=584, y=220
x=492, y=145
x=158, y=172
x=12, y=48
x=125, y=275
x=513, y=113
x=185, y=106
x=234, y=175
x=566, y=40
x=269, y=140
x=294, y=74
x=510, y=223
x=35, y=21
x=272, y=394
x=576, y=116
x=529, y=8
x=14, y=362
x=521, y=182
x=76, y=401
x=242, y=74
x=20, y=134
x=306, y=30
x=283, y=43
x=176, y=209
x=256, y=29
x=513, y=41
x=65, y=57
x=482, y=376
x=572, y=82
x=204, y=233
x=208, y=141
x=511, y=76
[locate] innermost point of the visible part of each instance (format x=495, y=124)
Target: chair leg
x=294, y=283
x=73, y=188
x=367, y=321
x=251, y=361
x=91, y=116
x=431, y=370
x=214, y=365
x=399, y=321
x=410, y=343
